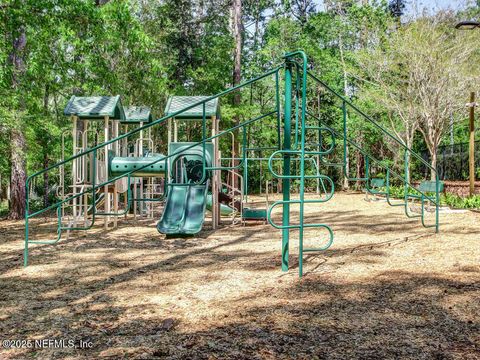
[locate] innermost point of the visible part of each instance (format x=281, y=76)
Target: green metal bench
x=426, y=189
x=430, y=186
x=254, y=214
x=373, y=186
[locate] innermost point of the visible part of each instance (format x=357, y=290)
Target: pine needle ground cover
x=386, y=289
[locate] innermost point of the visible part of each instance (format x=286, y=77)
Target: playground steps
x=254, y=214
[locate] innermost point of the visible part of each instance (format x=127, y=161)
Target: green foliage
x=446, y=199
x=148, y=50
x=458, y=202
x=3, y=208
x=396, y=192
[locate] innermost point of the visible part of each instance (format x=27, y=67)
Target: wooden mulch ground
x=386, y=289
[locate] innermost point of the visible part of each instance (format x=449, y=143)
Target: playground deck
x=387, y=288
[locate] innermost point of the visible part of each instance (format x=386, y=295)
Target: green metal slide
x=184, y=209
x=225, y=210
x=186, y=202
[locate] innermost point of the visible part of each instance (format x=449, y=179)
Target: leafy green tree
x=421, y=76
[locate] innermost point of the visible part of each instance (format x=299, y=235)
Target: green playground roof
x=95, y=107
x=176, y=103
x=137, y=114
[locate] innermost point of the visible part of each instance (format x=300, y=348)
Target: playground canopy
x=137, y=114
x=176, y=103
x=95, y=107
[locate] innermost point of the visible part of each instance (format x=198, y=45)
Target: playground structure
x=94, y=120
x=115, y=169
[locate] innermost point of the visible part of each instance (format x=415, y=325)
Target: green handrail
x=406, y=183
x=404, y=180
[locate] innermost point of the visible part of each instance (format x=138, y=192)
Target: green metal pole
x=277, y=107
x=302, y=171
x=405, y=186
x=245, y=177
x=437, y=201
x=297, y=86
x=287, y=128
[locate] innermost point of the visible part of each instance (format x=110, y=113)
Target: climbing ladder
x=297, y=61
x=299, y=149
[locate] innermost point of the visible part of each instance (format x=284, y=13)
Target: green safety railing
x=403, y=179
x=369, y=157
x=248, y=159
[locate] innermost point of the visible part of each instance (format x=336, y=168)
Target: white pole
x=105, y=189
x=215, y=177
x=74, y=169
x=116, y=149
x=62, y=175
x=140, y=153
x=85, y=173
x=175, y=130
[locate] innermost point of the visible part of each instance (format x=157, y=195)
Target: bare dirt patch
x=387, y=288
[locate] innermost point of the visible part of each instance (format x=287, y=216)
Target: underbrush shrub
x=446, y=199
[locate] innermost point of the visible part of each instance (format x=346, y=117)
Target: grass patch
x=446, y=199
x=3, y=208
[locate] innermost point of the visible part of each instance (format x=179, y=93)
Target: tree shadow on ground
x=393, y=315
x=397, y=315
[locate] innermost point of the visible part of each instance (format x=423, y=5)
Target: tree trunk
x=18, y=175
x=45, y=180
x=359, y=165
x=408, y=144
x=408, y=157
x=17, y=138
x=237, y=56
x=46, y=150
x=433, y=155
